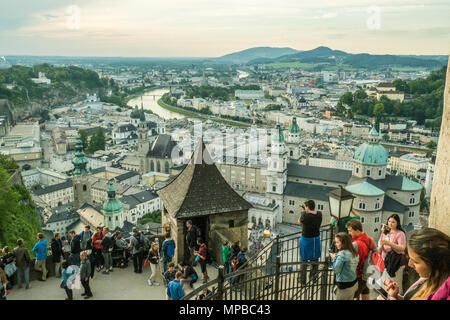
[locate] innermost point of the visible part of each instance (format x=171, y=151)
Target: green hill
x=18, y=218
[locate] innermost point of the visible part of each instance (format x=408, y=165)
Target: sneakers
x=150, y=283
x=111, y=269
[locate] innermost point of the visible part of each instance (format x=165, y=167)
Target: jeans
x=227, y=267
x=23, y=273
x=108, y=260
x=166, y=260
x=138, y=260
x=69, y=293
x=98, y=257
x=313, y=272
x=58, y=269
x=87, y=288
x=40, y=266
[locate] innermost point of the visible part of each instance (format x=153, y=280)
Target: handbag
x=10, y=269
x=378, y=261
x=146, y=263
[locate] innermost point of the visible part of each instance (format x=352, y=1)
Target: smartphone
x=382, y=292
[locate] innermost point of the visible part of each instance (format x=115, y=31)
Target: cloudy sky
x=209, y=28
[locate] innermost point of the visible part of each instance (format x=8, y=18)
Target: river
x=151, y=103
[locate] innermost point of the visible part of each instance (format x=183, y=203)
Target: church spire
x=80, y=161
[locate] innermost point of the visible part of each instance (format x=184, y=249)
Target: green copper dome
x=113, y=205
x=371, y=152
x=294, y=126
x=135, y=114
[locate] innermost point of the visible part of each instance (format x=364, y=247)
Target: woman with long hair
x=344, y=265
x=153, y=258
x=392, y=244
x=429, y=255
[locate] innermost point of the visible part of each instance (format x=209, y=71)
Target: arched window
x=84, y=187
x=166, y=167
x=158, y=166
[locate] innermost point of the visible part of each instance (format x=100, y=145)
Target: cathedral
x=283, y=185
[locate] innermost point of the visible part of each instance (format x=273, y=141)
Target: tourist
x=65, y=284
x=121, y=247
x=310, y=247
x=235, y=249
x=10, y=267
x=85, y=272
x=137, y=249
x=174, y=289
x=201, y=258
x=344, y=266
x=203, y=295
x=3, y=282
x=392, y=245
x=23, y=264
x=107, y=248
x=343, y=222
x=189, y=274
x=97, y=241
x=40, y=248
x=365, y=245
x=57, y=253
x=226, y=255
x=193, y=232
x=153, y=258
x=169, y=275
x=168, y=250
x=429, y=255
x=237, y=263
x=443, y=292
x=75, y=248
x=90, y=254
x=84, y=236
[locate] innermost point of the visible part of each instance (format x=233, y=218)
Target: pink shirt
x=396, y=237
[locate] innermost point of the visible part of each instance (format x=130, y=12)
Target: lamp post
x=341, y=203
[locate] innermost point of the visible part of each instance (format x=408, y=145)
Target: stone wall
x=440, y=205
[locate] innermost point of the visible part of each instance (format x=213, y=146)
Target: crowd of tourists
x=358, y=261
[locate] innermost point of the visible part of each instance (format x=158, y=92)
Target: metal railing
x=276, y=272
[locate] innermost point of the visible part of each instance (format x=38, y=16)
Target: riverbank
x=192, y=114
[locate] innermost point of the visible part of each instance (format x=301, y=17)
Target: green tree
x=378, y=110
x=385, y=137
x=84, y=138
x=97, y=141
x=431, y=145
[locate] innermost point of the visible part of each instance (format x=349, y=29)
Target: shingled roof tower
x=200, y=193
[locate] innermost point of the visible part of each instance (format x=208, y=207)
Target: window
x=362, y=220
x=377, y=205
x=231, y=223
x=375, y=230
x=274, y=188
x=320, y=207
x=368, y=172
x=411, y=214
x=357, y=170
x=291, y=212
x=291, y=202
x=379, y=172
x=412, y=200
x=377, y=219
x=362, y=205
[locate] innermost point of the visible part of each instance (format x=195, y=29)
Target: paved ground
x=122, y=284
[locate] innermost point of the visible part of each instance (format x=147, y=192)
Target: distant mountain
x=245, y=56
x=362, y=60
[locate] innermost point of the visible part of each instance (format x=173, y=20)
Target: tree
x=347, y=98
x=385, y=137
x=431, y=145
x=378, y=110
x=97, y=141
x=84, y=138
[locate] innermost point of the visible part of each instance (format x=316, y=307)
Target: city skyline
x=215, y=28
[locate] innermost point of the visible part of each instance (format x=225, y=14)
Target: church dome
x=113, y=205
x=135, y=114
x=294, y=126
x=371, y=153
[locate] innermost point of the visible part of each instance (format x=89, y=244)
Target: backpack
x=235, y=262
x=367, y=262
x=140, y=243
x=170, y=249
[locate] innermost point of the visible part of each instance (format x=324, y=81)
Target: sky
x=212, y=28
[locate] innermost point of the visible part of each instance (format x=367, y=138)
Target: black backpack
x=140, y=242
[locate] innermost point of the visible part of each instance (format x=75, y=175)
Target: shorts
x=362, y=288
x=203, y=267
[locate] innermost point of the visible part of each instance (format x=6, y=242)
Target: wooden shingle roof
x=200, y=190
